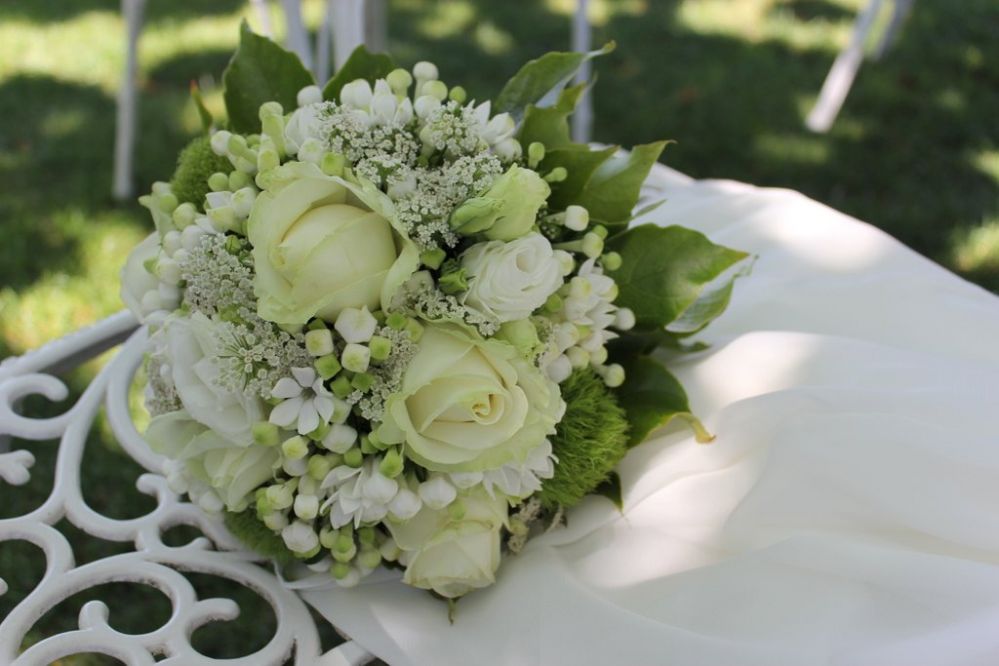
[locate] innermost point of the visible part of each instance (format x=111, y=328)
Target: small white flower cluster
x=421, y=297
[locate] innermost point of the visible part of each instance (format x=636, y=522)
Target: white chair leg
x=582, y=119
x=323, y=45
x=264, y=14
x=297, y=37
x=375, y=25
x=124, y=139
x=840, y=78
x=900, y=12
x=348, y=28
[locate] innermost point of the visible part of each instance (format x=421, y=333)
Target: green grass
x=915, y=151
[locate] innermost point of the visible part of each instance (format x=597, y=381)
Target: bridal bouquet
x=390, y=325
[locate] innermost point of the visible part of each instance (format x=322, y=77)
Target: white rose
x=322, y=244
x=453, y=557
x=511, y=280
x=136, y=281
x=192, y=345
x=469, y=405
x=233, y=471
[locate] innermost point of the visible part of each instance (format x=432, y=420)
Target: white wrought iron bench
x=152, y=562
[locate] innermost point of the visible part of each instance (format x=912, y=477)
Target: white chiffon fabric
x=847, y=513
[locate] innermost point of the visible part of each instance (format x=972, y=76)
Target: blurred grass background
x=915, y=151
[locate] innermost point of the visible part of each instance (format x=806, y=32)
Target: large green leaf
x=714, y=299
x=653, y=397
x=540, y=77
x=362, y=64
x=550, y=124
x=613, y=189
x=580, y=164
x=260, y=71
x=665, y=270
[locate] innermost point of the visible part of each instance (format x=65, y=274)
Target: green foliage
x=612, y=190
x=362, y=64
x=541, y=76
x=260, y=71
x=652, y=397
x=579, y=162
x=550, y=124
x=665, y=270
x=258, y=537
x=194, y=165
x=591, y=440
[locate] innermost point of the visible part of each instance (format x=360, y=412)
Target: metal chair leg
x=840, y=78
x=122, y=187
x=582, y=119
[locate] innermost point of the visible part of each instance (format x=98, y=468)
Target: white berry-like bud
x=437, y=493
x=508, y=149
x=319, y=342
x=340, y=438
x=190, y=238
x=614, y=375
x=355, y=357
x=624, y=319
x=405, y=504
x=276, y=521
x=425, y=105
x=559, y=369
x=309, y=95
x=300, y=537
x=577, y=218
x=356, y=325
x=356, y=94
x=306, y=506
x=426, y=71
x=220, y=142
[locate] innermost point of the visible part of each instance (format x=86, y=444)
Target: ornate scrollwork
x=152, y=562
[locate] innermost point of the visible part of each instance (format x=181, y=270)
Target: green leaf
x=642, y=341
x=541, y=76
x=665, y=270
x=362, y=64
x=653, y=397
x=260, y=71
x=199, y=102
x=550, y=124
x=613, y=190
x=580, y=163
x=710, y=304
x=611, y=489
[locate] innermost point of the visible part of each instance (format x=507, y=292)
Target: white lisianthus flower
x=469, y=405
x=322, y=244
x=511, y=280
x=453, y=557
x=193, y=346
x=139, y=287
x=233, y=471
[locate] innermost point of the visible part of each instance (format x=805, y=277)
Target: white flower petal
x=304, y=376
x=286, y=413
x=286, y=388
x=308, y=417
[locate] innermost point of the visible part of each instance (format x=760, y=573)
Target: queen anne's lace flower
x=306, y=403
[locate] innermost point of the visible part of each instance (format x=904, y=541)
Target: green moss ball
x=194, y=166
x=257, y=537
x=590, y=442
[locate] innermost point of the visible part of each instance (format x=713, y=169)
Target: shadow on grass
x=48, y=11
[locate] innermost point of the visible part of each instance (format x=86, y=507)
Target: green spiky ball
x=258, y=537
x=590, y=442
x=194, y=166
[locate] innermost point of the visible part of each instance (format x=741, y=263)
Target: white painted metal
x=151, y=562
x=264, y=14
x=124, y=140
x=582, y=119
x=844, y=70
x=296, y=35
x=348, y=28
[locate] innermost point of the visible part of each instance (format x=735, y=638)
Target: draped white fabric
x=847, y=513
